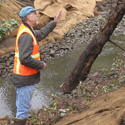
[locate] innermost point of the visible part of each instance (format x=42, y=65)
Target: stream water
x=56, y=72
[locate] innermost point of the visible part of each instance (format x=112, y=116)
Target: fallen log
x=94, y=48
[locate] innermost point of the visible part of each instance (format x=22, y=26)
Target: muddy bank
x=79, y=34
x=108, y=109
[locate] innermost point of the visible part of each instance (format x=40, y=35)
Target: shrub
x=7, y=26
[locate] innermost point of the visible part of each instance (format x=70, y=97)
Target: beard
x=37, y=22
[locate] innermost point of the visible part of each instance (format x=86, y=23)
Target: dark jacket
x=25, y=49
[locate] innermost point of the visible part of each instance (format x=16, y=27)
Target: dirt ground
x=108, y=109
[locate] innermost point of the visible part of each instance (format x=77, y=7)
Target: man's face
x=34, y=18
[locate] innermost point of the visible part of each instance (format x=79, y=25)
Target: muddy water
x=54, y=75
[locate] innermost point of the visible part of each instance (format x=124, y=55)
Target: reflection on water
x=7, y=97
x=54, y=75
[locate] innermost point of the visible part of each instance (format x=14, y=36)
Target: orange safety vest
x=18, y=67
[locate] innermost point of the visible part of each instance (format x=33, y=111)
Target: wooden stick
x=20, y=3
x=116, y=45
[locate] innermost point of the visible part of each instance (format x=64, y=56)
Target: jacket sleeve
x=25, y=50
x=43, y=32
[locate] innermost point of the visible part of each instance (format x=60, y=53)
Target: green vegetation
x=91, y=88
x=7, y=26
x=0, y=5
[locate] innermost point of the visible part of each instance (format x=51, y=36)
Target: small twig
x=116, y=45
x=20, y=3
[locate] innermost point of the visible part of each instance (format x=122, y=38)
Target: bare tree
x=87, y=58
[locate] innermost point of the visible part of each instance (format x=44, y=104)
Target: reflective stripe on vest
x=34, y=56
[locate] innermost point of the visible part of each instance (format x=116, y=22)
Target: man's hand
x=44, y=66
x=58, y=17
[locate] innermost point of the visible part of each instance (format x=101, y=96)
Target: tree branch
x=116, y=45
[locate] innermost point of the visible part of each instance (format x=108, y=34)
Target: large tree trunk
x=87, y=58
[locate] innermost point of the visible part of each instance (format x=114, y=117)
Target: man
x=27, y=63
